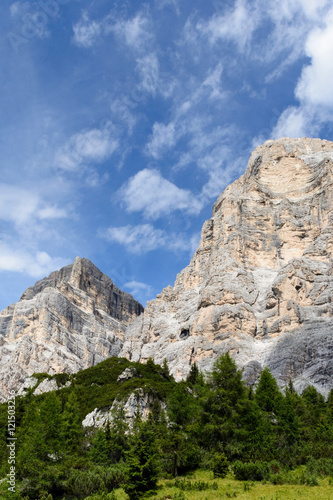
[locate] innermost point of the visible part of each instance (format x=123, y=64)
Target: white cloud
x=213, y=81
x=162, y=139
x=135, y=32
x=151, y=80
x=51, y=212
x=313, y=89
x=144, y=238
x=35, y=264
x=289, y=22
x=209, y=148
x=237, y=25
x=88, y=146
x=314, y=85
x=287, y=9
x=163, y=3
x=86, y=32
x=291, y=123
x=137, y=239
x=148, y=68
x=140, y=291
x=21, y=206
x=214, y=155
x=122, y=109
x=16, y=204
x=152, y=194
x=204, y=146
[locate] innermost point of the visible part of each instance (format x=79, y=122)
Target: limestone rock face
x=71, y=320
x=260, y=284
x=138, y=403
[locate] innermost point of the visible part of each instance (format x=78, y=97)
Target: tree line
x=214, y=422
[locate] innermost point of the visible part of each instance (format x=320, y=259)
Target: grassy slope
x=228, y=487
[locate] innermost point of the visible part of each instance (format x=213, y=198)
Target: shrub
x=44, y=495
x=84, y=483
x=308, y=479
x=179, y=496
x=321, y=467
x=61, y=378
x=220, y=465
x=5, y=494
x=250, y=471
x=186, y=485
x=103, y=496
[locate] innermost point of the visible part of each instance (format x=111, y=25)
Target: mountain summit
x=259, y=287
x=260, y=284
x=73, y=319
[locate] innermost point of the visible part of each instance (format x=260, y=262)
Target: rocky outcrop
x=66, y=322
x=139, y=403
x=260, y=284
x=127, y=374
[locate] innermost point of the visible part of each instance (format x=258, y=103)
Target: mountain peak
x=260, y=283
x=259, y=286
x=70, y=320
x=290, y=167
x=84, y=277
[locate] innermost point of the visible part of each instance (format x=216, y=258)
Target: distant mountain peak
x=72, y=319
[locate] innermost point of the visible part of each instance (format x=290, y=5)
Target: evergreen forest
x=212, y=422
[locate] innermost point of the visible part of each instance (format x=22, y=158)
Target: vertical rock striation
x=73, y=319
x=260, y=283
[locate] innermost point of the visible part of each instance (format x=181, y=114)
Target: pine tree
x=179, y=406
x=251, y=433
x=330, y=406
x=51, y=423
x=72, y=426
x=268, y=395
x=142, y=463
x=315, y=405
x=151, y=366
x=193, y=376
x=117, y=435
x=41, y=447
x=166, y=370
x=226, y=377
x=99, y=453
x=32, y=449
x=156, y=411
x=222, y=405
x=289, y=424
x=315, y=426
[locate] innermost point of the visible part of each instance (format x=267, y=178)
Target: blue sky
x=122, y=121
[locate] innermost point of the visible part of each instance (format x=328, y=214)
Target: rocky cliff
x=71, y=320
x=260, y=284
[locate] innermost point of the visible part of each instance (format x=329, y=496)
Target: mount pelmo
x=259, y=286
